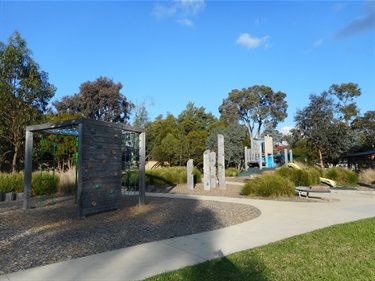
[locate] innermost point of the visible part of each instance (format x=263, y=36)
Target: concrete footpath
x=278, y=220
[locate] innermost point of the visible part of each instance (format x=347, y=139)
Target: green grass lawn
x=340, y=252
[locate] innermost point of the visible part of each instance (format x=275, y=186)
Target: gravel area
x=52, y=233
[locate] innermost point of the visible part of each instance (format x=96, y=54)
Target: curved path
x=279, y=220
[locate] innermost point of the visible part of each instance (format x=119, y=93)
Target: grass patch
x=340, y=252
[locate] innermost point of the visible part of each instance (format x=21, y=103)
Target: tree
x=99, y=100
x=234, y=137
x=365, y=126
x=330, y=137
x=24, y=93
x=253, y=106
x=345, y=93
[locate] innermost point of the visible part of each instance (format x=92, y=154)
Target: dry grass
x=67, y=182
x=367, y=176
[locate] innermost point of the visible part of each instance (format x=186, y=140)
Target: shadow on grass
x=218, y=269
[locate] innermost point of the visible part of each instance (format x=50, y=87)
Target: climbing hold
x=93, y=203
x=99, y=146
x=104, y=162
x=97, y=186
x=93, y=132
x=113, y=151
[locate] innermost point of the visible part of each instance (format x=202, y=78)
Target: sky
x=169, y=53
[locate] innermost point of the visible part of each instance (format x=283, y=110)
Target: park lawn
x=340, y=252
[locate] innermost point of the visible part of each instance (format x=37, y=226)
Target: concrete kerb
x=279, y=220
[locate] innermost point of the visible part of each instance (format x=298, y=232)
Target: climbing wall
x=101, y=168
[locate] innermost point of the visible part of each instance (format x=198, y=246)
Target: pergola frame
x=65, y=128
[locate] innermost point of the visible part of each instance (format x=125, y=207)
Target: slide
x=295, y=166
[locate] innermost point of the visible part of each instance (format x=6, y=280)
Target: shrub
x=44, y=187
x=11, y=182
x=269, y=185
x=341, y=175
x=170, y=176
x=303, y=177
x=231, y=172
x=367, y=176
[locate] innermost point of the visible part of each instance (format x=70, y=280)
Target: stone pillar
x=213, y=169
x=291, y=156
x=190, y=176
x=206, y=170
x=221, y=161
x=247, y=160
x=286, y=156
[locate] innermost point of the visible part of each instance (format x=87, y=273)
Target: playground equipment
x=260, y=154
x=109, y=155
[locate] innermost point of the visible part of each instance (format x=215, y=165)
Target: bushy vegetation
x=302, y=177
x=231, y=172
x=169, y=176
x=11, y=182
x=341, y=175
x=271, y=185
x=367, y=176
x=47, y=186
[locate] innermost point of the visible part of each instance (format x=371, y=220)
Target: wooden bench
x=307, y=190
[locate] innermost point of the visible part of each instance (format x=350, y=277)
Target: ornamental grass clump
x=231, y=172
x=302, y=177
x=342, y=175
x=271, y=185
x=170, y=176
x=367, y=176
x=11, y=182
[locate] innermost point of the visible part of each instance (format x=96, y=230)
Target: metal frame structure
x=86, y=131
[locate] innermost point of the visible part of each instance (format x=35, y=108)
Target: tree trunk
x=321, y=159
x=14, y=161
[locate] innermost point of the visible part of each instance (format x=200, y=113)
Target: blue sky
x=168, y=53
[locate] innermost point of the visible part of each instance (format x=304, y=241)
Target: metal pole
x=28, y=170
x=142, y=168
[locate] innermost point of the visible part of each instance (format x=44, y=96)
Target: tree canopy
x=99, y=100
x=254, y=106
x=24, y=93
x=325, y=134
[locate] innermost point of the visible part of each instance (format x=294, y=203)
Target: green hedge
x=271, y=185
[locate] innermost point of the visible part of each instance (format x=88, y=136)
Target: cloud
x=180, y=10
x=247, y=41
x=360, y=24
x=318, y=43
x=286, y=130
x=186, y=22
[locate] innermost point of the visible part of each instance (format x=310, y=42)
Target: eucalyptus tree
x=254, y=106
x=234, y=137
x=325, y=134
x=100, y=100
x=345, y=93
x=24, y=93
